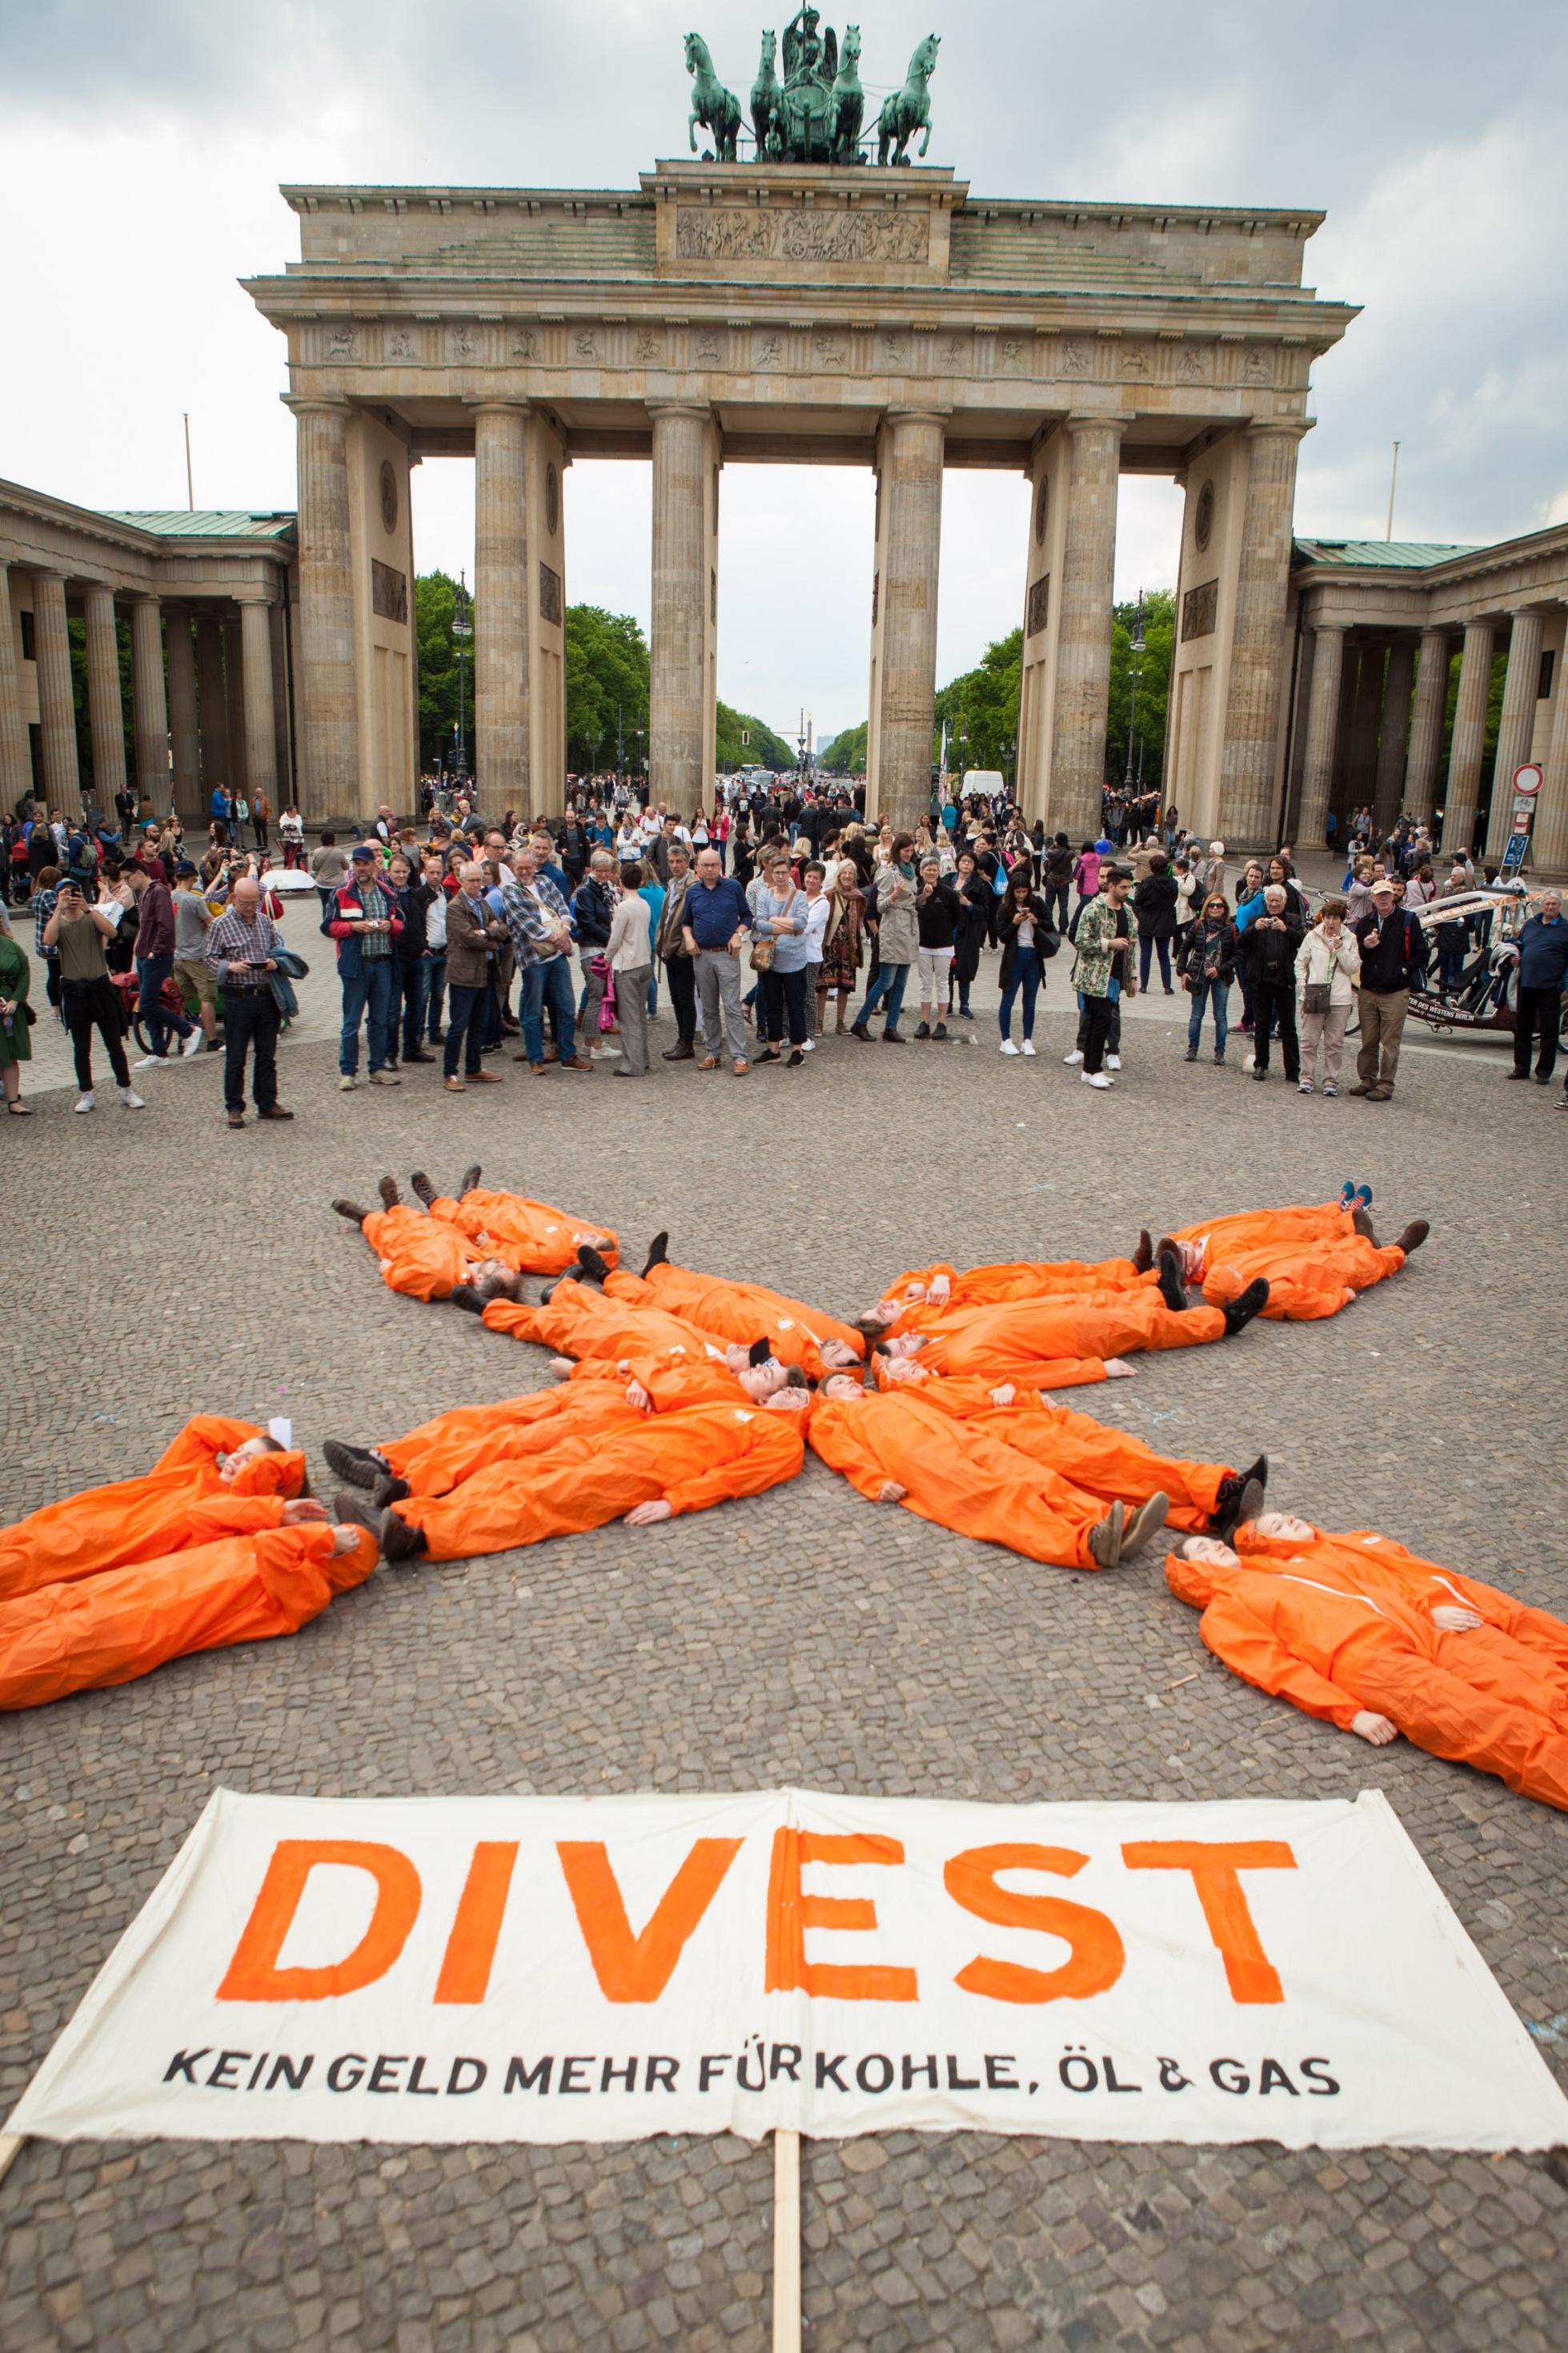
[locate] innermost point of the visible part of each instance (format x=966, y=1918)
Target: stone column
x=105, y=708
x=149, y=703
x=1323, y=731
x=15, y=763
x=1516, y=727
x=1429, y=711
x=233, y=706
x=679, y=685
x=1259, y=646
x=256, y=664
x=213, y=692
x=57, y=705
x=329, y=782
x=1394, y=735
x=501, y=606
x=1083, y=625
x=1358, y=778
x=184, y=733
x=1549, y=842
x=1469, y=736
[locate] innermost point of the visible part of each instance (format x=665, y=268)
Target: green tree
x=435, y=595
x=606, y=688
x=846, y=754
x=981, y=710
x=1148, y=722
x=764, y=750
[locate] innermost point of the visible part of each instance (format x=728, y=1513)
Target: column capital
x=1325, y=629
x=316, y=404
x=929, y=416
x=147, y=596
x=701, y=409
x=251, y=592
x=488, y=405
x=1297, y=427
x=1080, y=421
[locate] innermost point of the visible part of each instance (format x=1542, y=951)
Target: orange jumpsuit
x=578, y=1320
x=542, y=1240
x=740, y=1310
x=1104, y=1461
x=1005, y=1343
x=137, y=1519
x=690, y=1458
x=992, y=1286
x=1306, y=1278
x=955, y=1476
x=1286, y=1229
x=423, y=1257
x=126, y=1622
x=445, y=1452
x=1057, y=1372
x=1378, y=1566
x=1319, y=1639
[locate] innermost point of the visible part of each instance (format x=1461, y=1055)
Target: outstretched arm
x=1252, y=1650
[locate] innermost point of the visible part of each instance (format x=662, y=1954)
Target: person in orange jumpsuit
x=443, y=1453
x=1377, y=1664
x=534, y=1238
x=1006, y=1343
x=578, y=1320
x=992, y=1286
x=213, y=1460
x=741, y=1311
x=1210, y=1498
x=421, y=1256
x=122, y=1624
x=681, y=1461
x=1311, y=1279
x=895, y=1447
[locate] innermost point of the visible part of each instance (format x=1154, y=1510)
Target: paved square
x=158, y=1264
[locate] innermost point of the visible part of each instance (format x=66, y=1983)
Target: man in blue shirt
x=715, y=921
x=1543, y=963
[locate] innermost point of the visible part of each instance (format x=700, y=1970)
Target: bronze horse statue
x=716, y=107
x=847, y=106
x=767, y=103
x=909, y=109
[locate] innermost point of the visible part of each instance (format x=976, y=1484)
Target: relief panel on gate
x=736, y=233
x=1040, y=605
x=549, y=595
x=388, y=592
x=1200, y=609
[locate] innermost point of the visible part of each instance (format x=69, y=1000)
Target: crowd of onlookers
x=775, y=917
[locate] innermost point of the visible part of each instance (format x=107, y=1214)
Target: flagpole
x=786, y=2242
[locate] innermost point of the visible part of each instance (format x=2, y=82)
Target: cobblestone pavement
x=158, y=1264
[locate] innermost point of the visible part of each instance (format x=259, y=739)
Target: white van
x=989, y=781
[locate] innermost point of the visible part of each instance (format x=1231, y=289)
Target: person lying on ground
x=740, y=1310
x=424, y=1257
x=534, y=1237
x=1008, y=1342
x=989, y=1286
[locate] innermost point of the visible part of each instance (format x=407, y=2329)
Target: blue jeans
x=152, y=972
x=888, y=991
x=549, y=984
x=373, y=991
x=437, y=969
x=1056, y=900
x=1217, y=994
x=1027, y=974
x=463, y=1016
x=1147, y=947
x=413, y=989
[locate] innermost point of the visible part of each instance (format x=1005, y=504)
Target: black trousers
x=683, y=982
x=251, y=1019
x=1539, y=1008
x=1111, y=1041
x=1094, y=1028
x=93, y=1005
x=1274, y=1002
x=783, y=998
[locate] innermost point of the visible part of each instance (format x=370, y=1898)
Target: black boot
x=360, y=1465
x=389, y=1489
x=391, y=1199
x=1240, y=1498
x=591, y=1267
x=657, y=1254
x=465, y=1295
x=422, y=1188
x=683, y=1053
x=1172, y=1291
x=471, y=1178
x=399, y=1541
x=1413, y=1237
x=1240, y=1313
x=1361, y=1219
x=352, y=1211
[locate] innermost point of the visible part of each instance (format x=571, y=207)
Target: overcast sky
x=143, y=141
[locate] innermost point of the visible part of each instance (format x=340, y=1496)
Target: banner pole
x=10, y=2147
x=786, y=2242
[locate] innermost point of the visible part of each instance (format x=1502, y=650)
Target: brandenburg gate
x=795, y=313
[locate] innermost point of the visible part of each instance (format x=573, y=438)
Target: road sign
x=1528, y=779
x=745, y=735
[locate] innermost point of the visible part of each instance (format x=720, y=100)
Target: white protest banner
x=562, y=1969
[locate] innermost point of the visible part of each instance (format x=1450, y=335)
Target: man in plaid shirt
x=363, y=920
x=541, y=926
x=241, y=949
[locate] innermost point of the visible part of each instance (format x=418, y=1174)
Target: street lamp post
x=462, y=631
x=1138, y=641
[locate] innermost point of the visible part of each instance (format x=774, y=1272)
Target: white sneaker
x=1096, y=1078
x=131, y=1099
x=152, y=1063
x=1248, y=1062
x=809, y=1047
x=1072, y=1060
x=1008, y=1047
x=87, y=1101
x=1029, y=1046
x=347, y=1083
x=1113, y=1061
x=1303, y=1086
x=385, y=1079
x=193, y=1044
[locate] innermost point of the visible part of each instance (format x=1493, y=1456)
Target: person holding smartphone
x=77, y=933
x=241, y=951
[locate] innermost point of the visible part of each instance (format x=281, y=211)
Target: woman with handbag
x=840, y=943
x=16, y=1017
x=1328, y=968
x=1025, y=929
x=1208, y=969
x=778, y=958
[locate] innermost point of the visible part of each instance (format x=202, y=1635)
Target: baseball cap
x=363, y=850
x=1379, y=886
x=183, y=866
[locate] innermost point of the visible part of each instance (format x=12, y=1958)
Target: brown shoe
x=455, y=1087
x=537, y=1068
x=486, y=1078
x=275, y=1111
x=576, y=1064
x=237, y=1119
x=708, y=1062
x=1358, y=1090
x=1379, y=1094
x=740, y=1069
x=552, y=1054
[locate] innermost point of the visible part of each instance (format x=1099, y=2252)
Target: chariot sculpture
x=816, y=113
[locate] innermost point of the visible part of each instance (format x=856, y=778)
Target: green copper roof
x=207, y=523
x=1385, y=555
